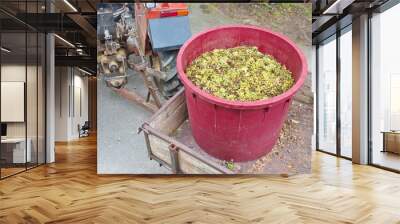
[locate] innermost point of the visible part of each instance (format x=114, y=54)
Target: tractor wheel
x=166, y=62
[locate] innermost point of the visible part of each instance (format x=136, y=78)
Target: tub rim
x=263, y=103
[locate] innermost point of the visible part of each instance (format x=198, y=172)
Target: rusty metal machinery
x=111, y=56
x=118, y=51
x=127, y=39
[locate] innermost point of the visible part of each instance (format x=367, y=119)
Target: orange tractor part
x=161, y=10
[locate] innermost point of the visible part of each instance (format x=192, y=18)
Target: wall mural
x=203, y=88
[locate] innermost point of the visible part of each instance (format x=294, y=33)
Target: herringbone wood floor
x=69, y=191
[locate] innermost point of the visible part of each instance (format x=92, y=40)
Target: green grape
x=241, y=73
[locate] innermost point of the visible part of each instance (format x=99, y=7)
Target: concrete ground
x=120, y=149
x=203, y=16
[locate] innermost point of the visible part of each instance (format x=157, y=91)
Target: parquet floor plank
x=70, y=191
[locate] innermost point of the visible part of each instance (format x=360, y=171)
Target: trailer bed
x=170, y=142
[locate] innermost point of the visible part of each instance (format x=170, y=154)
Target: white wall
x=12, y=100
x=69, y=85
x=16, y=73
x=80, y=94
x=34, y=125
x=61, y=103
x=13, y=72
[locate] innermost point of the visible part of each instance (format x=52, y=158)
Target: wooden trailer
x=169, y=141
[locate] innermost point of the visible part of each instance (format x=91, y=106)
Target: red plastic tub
x=234, y=130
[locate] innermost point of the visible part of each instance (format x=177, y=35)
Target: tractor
x=144, y=37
